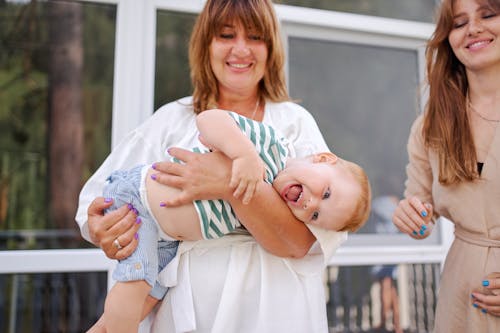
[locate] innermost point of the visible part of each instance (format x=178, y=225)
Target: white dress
x=229, y=284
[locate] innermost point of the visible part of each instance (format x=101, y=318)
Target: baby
x=321, y=190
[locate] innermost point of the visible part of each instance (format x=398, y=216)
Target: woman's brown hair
x=446, y=126
x=257, y=14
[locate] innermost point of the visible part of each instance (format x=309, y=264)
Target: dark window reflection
x=414, y=10
x=56, y=81
x=364, y=100
x=172, y=79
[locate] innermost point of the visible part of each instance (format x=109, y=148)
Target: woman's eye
x=255, y=37
x=327, y=194
x=226, y=36
x=488, y=15
x=459, y=24
x=315, y=216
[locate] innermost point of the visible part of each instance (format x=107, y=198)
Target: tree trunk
x=65, y=133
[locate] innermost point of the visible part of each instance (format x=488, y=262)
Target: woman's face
x=475, y=34
x=238, y=59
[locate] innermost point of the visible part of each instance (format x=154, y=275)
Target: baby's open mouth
x=293, y=193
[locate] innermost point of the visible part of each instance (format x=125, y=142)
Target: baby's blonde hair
x=362, y=207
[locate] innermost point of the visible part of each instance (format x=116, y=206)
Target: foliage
x=24, y=59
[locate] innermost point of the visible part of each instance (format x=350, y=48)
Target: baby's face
x=319, y=193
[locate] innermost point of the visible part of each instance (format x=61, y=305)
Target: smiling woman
x=453, y=170
x=248, y=71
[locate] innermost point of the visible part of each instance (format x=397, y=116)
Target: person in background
x=266, y=277
x=454, y=169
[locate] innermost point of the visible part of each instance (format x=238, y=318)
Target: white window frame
x=133, y=102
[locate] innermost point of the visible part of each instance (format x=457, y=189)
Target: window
x=56, y=79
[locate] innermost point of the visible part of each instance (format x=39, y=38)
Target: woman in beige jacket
x=454, y=163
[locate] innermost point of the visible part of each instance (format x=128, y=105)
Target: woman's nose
x=475, y=27
x=240, y=47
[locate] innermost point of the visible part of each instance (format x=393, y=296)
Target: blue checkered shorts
x=151, y=254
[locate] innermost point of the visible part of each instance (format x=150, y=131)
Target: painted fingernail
x=153, y=177
x=153, y=166
x=484, y=310
x=472, y=296
x=138, y=220
x=423, y=228
x=136, y=211
x=162, y=204
x=136, y=236
x=415, y=233
x=474, y=305
x=107, y=200
x=168, y=151
x=130, y=207
x=423, y=213
x=421, y=232
x=486, y=283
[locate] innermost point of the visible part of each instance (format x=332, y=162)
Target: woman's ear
x=325, y=157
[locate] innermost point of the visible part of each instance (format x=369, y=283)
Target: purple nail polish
x=136, y=236
x=153, y=177
x=138, y=220
x=154, y=166
x=162, y=204
x=108, y=200
x=136, y=211
x=130, y=207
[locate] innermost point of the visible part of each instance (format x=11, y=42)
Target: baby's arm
x=218, y=130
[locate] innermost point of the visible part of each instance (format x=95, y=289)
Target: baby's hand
x=247, y=172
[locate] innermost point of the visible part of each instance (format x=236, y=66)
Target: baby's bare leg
x=124, y=306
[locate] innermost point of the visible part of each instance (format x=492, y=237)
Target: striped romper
x=217, y=218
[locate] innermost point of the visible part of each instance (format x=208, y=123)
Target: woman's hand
x=199, y=176
x=121, y=224
x=413, y=217
x=488, y=301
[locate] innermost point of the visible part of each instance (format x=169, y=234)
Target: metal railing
x=62, y=290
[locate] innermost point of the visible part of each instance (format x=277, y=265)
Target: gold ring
x=116, y=244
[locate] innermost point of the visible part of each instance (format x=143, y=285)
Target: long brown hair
x=257, y=14
x=446, y=127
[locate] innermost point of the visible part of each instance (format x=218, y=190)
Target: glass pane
x=385, y=298
x=172, y=79
x=420, y=10
x=364, y=100
x=54, y=302
x=56, y=84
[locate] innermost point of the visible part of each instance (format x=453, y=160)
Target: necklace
x=255, y=110
x=479, y=114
